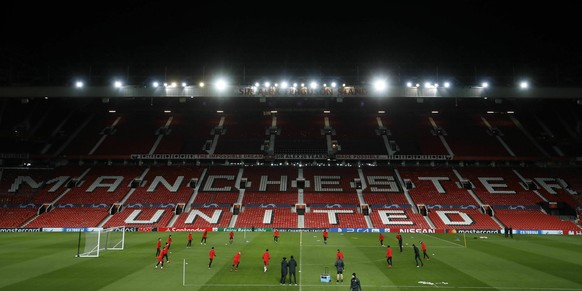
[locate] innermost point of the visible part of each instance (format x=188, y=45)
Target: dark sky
x=138, y=33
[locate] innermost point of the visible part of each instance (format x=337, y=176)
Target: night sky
x=148, y=35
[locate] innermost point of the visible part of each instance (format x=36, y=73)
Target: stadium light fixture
x=408, y=84
x=284, y=85
x=313, y=85
x=294, y=85
x=184, y=84
x=220, y=85
x=447, y=84
x=435, y=112
x=167, y=111
x=485, y=85
x=257, y=84
x=174, y=84
x=380, y=85
x=155, y=84
x=523, y=85
x=117, y=84
x=333, y=84
x=267, y=84
x=201, y=84
x=79, y=84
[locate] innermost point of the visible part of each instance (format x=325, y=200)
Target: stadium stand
x=245, y=163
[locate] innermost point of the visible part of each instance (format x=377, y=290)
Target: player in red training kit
x=325, y=236
x=204, y=235
x=189, y=244
x=276, y=236
x=423, y=246
x=389, y=256
x=381, y=239
x=169, y=241
x=163, y=253
x=211, y=255
x=231, y=237
x=158, y=246
x=399, y=238
x=235, y=262
x=266, y=258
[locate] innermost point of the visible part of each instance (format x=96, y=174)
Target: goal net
x=92, y=243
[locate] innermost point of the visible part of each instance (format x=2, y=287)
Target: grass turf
x=46, y=261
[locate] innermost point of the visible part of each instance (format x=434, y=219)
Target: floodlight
x=220, y=85
x=380, y=85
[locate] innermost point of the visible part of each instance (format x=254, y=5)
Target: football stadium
x=91, y=178
x=413, y=149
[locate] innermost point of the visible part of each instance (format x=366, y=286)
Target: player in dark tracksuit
x=417, y=255
x=283, y=271
x=355, y=283
x=399, y=238
x=292, y=264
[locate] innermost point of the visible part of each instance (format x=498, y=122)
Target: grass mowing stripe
x=536, y=257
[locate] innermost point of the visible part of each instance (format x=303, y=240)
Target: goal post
x=93, y=241
x=114, y=238
x=88, y=244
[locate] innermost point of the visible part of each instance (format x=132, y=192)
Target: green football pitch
x=46, y=261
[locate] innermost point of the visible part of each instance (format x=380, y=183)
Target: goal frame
x=103, y=241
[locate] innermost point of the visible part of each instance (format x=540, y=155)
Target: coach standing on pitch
x=283, y=271
x=292, y=264
x=355, y=283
